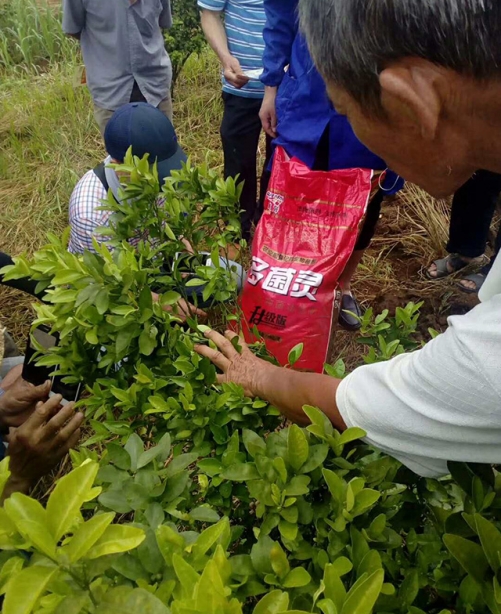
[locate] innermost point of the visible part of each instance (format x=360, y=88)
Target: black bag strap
x=100, y=173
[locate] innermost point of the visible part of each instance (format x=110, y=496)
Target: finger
x=230, y=335
x=190, y=310
x=34, y=393
x=61, y=452
x=215, y=356
x=222, y=344
x=67, y=432
x=59, y=420
x=73, y=441
x=221, y=379
x=44, y=412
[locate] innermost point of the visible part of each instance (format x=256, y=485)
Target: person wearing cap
x=124, y=52
x=148, y=131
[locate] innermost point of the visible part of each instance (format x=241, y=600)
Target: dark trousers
x=373, y=208
x=471, y=216
x=240, y=132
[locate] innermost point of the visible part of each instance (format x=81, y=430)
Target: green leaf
x=253, y=443
x=363, y=596
x=287, y=529
x=161, y=452
x=490, y=538
x=26, y=588
x=204, y=514
x=134, y=447
x=186, y=575
x=468, y=554
x=70, y=493
x=364, y=500
x=87, y=535
x=279, y=562
x=297, y=578
x=351, y=434
x=297, y=447
x=334, y=587
x=335, y=485
x=261, y=555
x=30, y=519
x=116, y=539
x=295, y=354
x=179, y=463
x=240, y=472
x=211, y=536
x=316, y=458
x=272, y=603
x=147, y=341
x=409, y=588
x=298, y=486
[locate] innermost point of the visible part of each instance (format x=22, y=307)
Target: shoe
x=347, y=320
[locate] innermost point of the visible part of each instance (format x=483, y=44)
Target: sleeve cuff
x=342, y=401
x=217, y=8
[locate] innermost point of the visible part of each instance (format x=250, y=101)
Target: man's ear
x=413, y=86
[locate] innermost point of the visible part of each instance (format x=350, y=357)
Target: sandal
x=477, y=278
x=349, y=307
x=453, y=263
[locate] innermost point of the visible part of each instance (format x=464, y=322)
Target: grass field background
x=48, y=139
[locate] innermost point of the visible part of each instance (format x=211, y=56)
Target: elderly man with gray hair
x=425, y=95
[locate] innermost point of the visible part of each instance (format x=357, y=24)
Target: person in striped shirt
x=234, y=29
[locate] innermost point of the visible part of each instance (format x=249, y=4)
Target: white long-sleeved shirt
x=442, y=402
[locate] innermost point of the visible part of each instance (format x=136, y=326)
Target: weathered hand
x=20, y=398
x=243, y=368
x=40, y=443
x=233, y=73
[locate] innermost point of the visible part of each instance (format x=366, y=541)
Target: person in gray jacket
x=123, y=50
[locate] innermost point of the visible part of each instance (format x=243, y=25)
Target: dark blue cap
x=148, y=131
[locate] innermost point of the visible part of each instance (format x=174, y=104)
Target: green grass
x=48, y=140
x=31, y=35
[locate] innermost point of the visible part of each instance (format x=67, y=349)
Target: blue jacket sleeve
x=279, y=34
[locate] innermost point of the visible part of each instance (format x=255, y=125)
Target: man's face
x=436, y=164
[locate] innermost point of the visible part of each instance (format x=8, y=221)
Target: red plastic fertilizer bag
x=302, y=243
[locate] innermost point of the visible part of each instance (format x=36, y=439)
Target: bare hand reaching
x=41, y=442
x=243, y=368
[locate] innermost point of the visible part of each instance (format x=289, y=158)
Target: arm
x=279, y=34
x=165, y=21
x=215, y=34
x=287, y=390
x=73, y=18
x=435, y=405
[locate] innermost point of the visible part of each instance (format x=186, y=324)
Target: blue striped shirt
x=244, y=23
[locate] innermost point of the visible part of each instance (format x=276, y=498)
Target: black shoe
x=347, y=320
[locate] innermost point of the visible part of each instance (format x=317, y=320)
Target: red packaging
x=302, y=244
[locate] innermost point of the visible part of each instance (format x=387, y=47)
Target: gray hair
x=352, y=41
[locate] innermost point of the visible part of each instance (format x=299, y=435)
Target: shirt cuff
x=343, y=403
x=272, y=78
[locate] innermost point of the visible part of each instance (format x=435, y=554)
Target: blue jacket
x=303, y=108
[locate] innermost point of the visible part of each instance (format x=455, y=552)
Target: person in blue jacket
x=298, y=114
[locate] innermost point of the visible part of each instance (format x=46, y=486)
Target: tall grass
x=31, y=35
